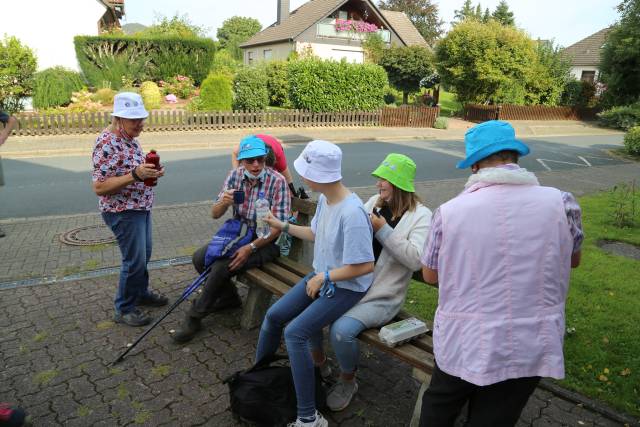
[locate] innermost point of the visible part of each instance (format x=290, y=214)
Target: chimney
x=283, y=11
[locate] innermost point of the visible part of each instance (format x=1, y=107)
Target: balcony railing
x=328, y=29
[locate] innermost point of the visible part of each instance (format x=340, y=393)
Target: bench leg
x=417, y=410
x=256, y=306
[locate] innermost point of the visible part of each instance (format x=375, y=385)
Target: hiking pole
x=195, y=285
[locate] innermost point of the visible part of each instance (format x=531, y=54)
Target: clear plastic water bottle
x=263, y=229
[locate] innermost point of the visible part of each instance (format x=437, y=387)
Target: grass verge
x=602, y=354
x=449, y=104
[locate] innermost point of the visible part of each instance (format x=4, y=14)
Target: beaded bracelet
x=135, y=176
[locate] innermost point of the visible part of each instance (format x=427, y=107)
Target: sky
x=565, y=21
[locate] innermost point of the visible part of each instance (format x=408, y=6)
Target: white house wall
x=48, y=27
x=278, y=51
x=577, y=71
x=334, y=51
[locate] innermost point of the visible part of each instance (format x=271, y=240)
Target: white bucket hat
x=129, y=105
x=320, y=162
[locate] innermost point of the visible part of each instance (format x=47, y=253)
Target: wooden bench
x=276, y=278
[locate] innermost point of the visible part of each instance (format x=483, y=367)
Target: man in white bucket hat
x=343, y=272
x=119, y=170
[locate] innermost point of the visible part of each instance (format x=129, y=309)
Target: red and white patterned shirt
x=117, y=156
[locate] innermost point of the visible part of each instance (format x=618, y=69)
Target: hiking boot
x=152, y=300
x=188, y=330
x=133, y=318
x=320, y=421
x=227, y=303
x=341, y=394
x=12, y=416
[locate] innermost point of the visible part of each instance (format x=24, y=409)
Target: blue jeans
x=133, y=232
x=344, y=341
x=306, y=319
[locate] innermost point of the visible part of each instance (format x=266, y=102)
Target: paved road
x=61, y=185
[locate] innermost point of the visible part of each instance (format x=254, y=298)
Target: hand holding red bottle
x=152, y=159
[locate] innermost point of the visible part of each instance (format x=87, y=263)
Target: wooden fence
x=482, y=113
x=180, y=120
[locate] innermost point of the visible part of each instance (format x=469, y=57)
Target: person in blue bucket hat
x=501, y=253
x=251, y=177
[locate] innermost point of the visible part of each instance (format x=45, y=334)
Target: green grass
x=602, y=356
x=449, y=105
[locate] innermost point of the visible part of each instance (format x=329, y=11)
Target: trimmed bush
x=104, y=96
x=632, y=141
x=278, y=83
x=441, y=123
x=139, y=58
x=250, y=89
x=151, y=95
x=54, y=87
x=624, y=117
x=326, y=86
x=180, y=86
x=216, y=93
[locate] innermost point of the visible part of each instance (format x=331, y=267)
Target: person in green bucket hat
x=401, y=225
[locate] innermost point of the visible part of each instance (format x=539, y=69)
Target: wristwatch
x=253, y=247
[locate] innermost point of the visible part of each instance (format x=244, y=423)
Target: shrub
x=104, y=96
x=151, y=95
x=250, y=89
x=278, y=83
x=578, y=93
x=441, y=123
x=142, y=58
x=180, y=86
x=17, y=67
x=81, y=102
x=54, y=86
x=632, y=141
x=336, y=86
x=216, y=93
x=225, y=63
x=624, y=117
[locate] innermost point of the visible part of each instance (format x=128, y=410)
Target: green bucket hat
x=399, y=170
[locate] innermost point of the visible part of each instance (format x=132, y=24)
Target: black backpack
x=265, y=394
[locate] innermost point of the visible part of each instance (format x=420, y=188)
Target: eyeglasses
x=252, y=160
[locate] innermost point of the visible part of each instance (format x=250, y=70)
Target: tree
x=503, y=15
x=422, y=13
x=235, y=31
x=374, y=47
x=17, y=68
x=486, y=16
x=176, y=26
x=406, y=66
x=620, y=60
x=467, y=12
x=493, y=63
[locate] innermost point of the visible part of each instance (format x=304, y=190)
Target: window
x=588, y=76
x=343, y=14
x=250, y=57
x=267, y=54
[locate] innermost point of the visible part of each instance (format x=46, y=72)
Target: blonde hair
x=401, y=202
x=115, y=124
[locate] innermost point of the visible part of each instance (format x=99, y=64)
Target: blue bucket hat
x=251, y=146
x=488, y=138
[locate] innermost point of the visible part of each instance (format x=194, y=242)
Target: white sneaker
x=320, y=421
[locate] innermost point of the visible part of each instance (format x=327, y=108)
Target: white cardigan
x=402, y=247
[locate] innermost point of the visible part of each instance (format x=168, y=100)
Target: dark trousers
x=495, y=405
x=218, y=284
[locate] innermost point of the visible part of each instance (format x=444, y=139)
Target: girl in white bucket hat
x=343, y=271
x=119, y=170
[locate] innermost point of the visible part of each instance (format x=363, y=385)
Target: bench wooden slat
x=268, y=282
x=281, y=273
x=408, y=353
x=293, y=266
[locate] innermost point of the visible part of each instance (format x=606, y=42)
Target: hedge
x=623, y=117
x=110, y=57
x=250, y=89
x=318, y=85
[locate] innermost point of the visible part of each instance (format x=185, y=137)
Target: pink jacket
x=503, y=270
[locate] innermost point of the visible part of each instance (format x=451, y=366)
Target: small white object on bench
x=403, y=331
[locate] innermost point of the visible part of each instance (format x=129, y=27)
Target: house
x=48, y=27
x=330, y=29
x=585, y=56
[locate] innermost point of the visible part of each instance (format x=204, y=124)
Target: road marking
x=584, y=160
x=543, y=164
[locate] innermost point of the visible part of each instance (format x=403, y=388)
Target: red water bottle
x=152, y=158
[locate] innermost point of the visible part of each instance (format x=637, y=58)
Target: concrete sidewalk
x=65, y=145
x=57, y=335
